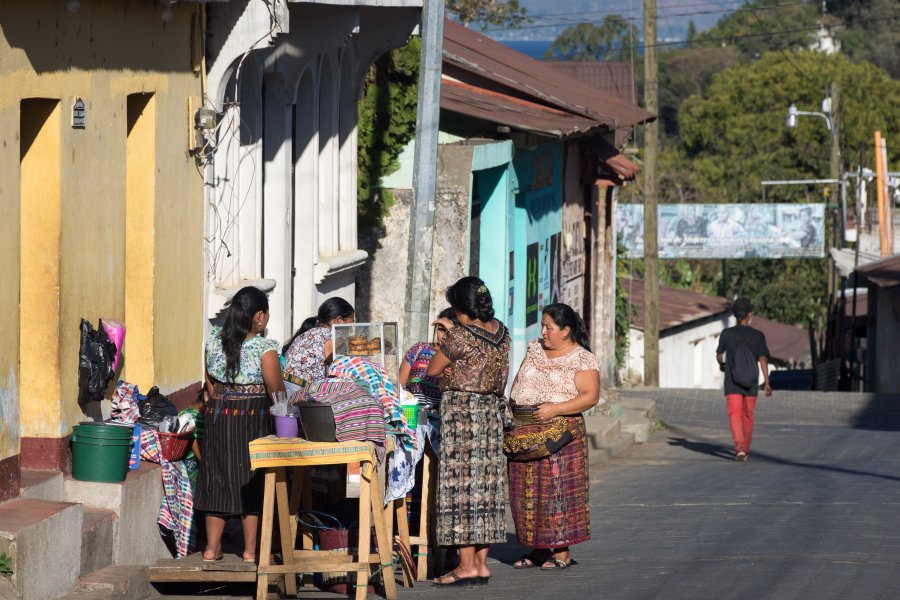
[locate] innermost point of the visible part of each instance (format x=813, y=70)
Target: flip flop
x=528, y=561
x=553, y=564
x=455, y=580
x=216, y=558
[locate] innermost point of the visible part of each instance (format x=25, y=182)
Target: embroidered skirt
x=471, y=503
x=549, y=496
x=235, y=415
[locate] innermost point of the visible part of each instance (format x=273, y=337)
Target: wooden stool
x=275, y=455
x=426, y=521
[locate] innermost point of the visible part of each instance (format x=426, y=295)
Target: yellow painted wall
x=104, y=52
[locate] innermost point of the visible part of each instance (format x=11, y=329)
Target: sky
x=673, y=16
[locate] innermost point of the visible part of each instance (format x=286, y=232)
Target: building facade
x=101, y=210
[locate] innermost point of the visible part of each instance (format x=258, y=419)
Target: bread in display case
x=376, y=342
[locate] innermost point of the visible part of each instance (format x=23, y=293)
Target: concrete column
x=306, y=230
x=328, y=160
x=248, y=205
x=349, y=103
x=277, y=207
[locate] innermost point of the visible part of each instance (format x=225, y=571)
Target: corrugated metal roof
x=478, y=60
x=883, y=273
x=787, y=344
x=616, y=78
x=509, y=111
x=676, y=307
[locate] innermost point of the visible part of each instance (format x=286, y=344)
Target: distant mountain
x=673, y=16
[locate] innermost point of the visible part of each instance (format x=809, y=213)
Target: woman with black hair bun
x=473, y=363
x=548, y=488
x=309, y=352
x=242, y=372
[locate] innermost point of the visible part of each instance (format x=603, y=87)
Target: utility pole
x=651, y=189
x=835, y=172
x=421, y=214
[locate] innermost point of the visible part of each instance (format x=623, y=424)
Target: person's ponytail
x=329, y=311
x=237, y=324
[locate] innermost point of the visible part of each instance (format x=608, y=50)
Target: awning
x=884, y=273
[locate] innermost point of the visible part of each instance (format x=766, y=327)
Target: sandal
x=528, y=561
x=454, y=579
x=553, y=564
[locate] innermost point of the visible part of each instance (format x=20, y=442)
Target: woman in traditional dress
x=559, y=377
x=413, y=370
x=242, y=372
x=309, y=352
x=471, y=505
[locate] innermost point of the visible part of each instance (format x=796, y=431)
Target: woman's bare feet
x=212, y=554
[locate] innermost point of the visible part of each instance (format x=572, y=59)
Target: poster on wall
x=554, y=269
x=531, y=284
x=727, y=230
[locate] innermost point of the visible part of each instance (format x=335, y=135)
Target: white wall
x=687, y=356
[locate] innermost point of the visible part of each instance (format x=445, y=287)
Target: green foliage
x=507, y=13
x=623, y=318
x=611, y=40
x=5, y=564
x=870, y=31
x=732, y=136
x=387, y=122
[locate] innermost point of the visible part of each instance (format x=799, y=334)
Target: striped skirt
x=235, y=415
x=549, y=496
x=471, y=503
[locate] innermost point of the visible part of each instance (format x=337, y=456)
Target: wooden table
x=275, y=456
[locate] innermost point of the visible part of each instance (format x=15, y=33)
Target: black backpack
x=744, y=370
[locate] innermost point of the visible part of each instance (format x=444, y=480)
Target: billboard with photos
x=726, y=230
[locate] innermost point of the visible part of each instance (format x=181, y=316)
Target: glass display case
x=373, y=341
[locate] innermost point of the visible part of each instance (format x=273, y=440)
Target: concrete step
x=645, y=406
x=601, y=430
x=98, y=534
x=136, y=502
x=41, y=485
x=117, y=582
x=635, y=423
x=43, y=538
x=615, y=446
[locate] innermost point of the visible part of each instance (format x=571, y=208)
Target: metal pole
x=421, y=217
x=651, y=188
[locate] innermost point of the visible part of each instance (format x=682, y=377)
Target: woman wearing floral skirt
x=470, y=497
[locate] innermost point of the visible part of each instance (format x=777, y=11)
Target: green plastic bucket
x=101, y=460
x=103, y=431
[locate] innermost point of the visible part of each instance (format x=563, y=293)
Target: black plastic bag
x=154, y=408
x=94, y=363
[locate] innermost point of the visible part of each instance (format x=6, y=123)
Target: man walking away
x=742, y=347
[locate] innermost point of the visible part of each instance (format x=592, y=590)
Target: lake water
x=533, y=48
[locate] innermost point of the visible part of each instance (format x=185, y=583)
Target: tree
x=612, y=40
x=732, y=136
x=506, y=13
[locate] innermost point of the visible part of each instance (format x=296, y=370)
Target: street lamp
x=793, y=115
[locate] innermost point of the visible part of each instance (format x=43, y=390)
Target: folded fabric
x=358, y=416
x=373, y=376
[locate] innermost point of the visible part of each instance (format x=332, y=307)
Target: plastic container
x=173, y=446
x=101, y=460
x=286, y=427
x=412, y=414
x=317, y=420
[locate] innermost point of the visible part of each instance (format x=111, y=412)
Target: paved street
x=813, y=514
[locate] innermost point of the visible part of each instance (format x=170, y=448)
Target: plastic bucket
x=101, y=460
x=286, y=427
x=103, y=431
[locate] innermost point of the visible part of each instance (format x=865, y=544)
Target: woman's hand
x=545, y=412
x=444, y=322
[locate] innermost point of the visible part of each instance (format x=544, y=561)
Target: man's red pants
x=740, y=414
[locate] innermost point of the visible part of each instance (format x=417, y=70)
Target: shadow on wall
x=100, y=35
